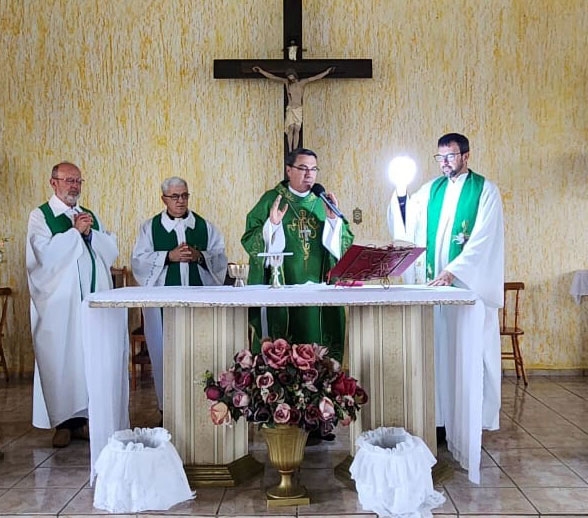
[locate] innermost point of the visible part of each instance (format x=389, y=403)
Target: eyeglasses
x=450, y=157
x=177, y=197
x=71, y=181
x=306, y=169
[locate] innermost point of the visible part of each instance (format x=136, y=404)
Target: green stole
x=465, y=216
x=164, y=241
x=62, y=223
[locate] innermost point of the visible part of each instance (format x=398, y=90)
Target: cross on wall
x=305, y=69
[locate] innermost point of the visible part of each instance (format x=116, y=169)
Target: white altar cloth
x=106, y=346
x=579, y=287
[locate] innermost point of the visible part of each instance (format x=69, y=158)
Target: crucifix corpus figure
x=295, y=92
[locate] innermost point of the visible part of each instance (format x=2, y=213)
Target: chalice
x=239, y=272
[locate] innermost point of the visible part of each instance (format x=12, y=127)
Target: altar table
x=391, y=353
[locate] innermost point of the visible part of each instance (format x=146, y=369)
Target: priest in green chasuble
x=290, y=218
x=176, y=247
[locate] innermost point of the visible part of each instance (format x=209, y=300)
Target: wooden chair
x=119, y=276
x=5, y=294
x=139, y=353
x=509, y=326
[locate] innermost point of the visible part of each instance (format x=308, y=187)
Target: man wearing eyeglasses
x=458, y=217
x=68, y=256
x=177, y=247
x=290, y=218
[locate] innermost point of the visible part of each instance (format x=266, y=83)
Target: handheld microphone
x=319, y=190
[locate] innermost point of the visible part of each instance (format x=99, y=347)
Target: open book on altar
x=363, y=263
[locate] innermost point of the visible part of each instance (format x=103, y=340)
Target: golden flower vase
x=285, y=447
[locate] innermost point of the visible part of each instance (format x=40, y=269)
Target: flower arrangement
x=285, y=384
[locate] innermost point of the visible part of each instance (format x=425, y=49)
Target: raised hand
x=276, y=215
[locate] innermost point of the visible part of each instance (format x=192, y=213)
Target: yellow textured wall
x=124, y=88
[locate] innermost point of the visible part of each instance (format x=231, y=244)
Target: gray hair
x=172, y=181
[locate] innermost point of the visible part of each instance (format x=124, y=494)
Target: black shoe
x=441, y=436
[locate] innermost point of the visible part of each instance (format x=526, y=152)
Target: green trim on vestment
x=62, y=223
x=310, y=262
x=164, y=241
x=465, y=217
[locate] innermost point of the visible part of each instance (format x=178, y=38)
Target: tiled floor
x=536, y=465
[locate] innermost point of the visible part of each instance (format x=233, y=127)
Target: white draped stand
x=579, y=287
x=391, y=353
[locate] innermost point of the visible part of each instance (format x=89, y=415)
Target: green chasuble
x=303, y=227
x=465, y=217
x=62, y=223
x=163, y=240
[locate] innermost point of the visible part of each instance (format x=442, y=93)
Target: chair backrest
x=119, y=276
x=512, y=305
x=4, y=295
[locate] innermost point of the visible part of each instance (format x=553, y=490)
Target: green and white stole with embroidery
x=164, y=241
x=465, y=216
x=62, y=223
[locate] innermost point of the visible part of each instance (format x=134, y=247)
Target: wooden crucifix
x=293, y=71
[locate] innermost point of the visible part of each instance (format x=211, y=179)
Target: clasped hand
x=83, y=222
x=184, y=253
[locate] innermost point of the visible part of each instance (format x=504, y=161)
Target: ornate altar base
x=390, y=353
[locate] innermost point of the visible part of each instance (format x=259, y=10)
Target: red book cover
x=362, y=263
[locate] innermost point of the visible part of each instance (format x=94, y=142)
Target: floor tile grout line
x=69, y=501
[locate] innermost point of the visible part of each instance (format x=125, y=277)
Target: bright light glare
x=402, y=170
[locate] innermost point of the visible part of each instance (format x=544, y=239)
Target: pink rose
x=242, y=380
x=244, y=358
x=219, y=413
x=273, y=397
x=282, y=413
x=308, y=379
x=326, y=409
x=277, y=353
x=226, y=379
x=265, y=380
x=311, y=416
x=303, y=356
x=240, y=399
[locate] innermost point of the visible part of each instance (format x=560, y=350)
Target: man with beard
x=458, y=217
x=68, y=256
